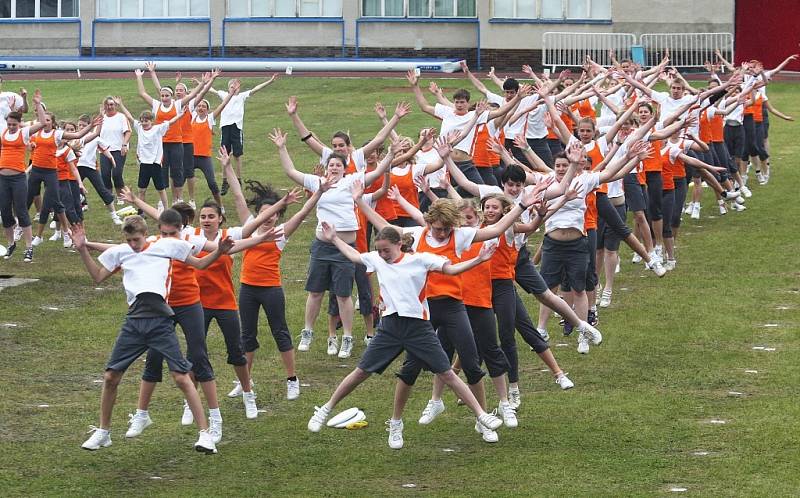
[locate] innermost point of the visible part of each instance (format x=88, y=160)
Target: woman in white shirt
x=116, y=134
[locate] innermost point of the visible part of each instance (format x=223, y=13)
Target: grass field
x=637, y=423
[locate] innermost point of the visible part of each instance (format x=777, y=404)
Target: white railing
x=686, y=49
x=564, y=49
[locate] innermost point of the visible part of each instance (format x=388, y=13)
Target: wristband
x=305, y=138
x=529, y=149
x=523, y=207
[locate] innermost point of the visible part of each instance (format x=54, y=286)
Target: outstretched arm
x=413, y=211
x=478, y=84
x=278, y=137
x=357, y=191
x=140, y=88
x=305, y=136
x=98, y=272
x=413, y=80
x=401, y=110
x=485, y=255
x=264, y=84
x=126, y=195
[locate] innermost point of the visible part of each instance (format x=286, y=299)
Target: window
x=418, y=8
x=38, y=8
x=152, y=8
x=552, y=9
x=285, y=8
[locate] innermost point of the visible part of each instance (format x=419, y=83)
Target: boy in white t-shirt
x=148, y=325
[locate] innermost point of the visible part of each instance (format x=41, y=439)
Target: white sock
x=141, y=412
x=214, y=413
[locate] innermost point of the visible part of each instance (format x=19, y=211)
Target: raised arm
x=305, y=136
x=357, y=191
x=126, y=195
x=380, y=111
x=234, y=90
x=782, y=65
x=778, y=113
x=124, y=110
x=151, y=69
x=402, y=109
x=294, y=222
x=264, y=84
x=383, y=166
x=278, y=137
x=414, y=212
x=478, y=84
x=40, y=116
x=235, y=186
x=484, y=255
x=619, y=167
x=413, y=80
x=97, y=121
x=140, y=88
x=223, y=247
x=444, y=149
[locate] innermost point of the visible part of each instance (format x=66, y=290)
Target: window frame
x=37, y=11
x=430, y=15
x=565, y=18
x=271, y=10
x=165, y=7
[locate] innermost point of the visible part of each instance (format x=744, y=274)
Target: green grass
x=673, y=350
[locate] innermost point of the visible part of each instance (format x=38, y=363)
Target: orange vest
x=183, y=289
x=477, y=279
x=407, y=189
x=12, y=152
x=482, y=156
x=187, y=131
x=504, y=260
x=597, y=158
x=202, y=137
x=261, y=265
x=64, y=171
x=173, y=134
x=718, y=128
x=439, y=284
x=590, y=215
x=216, y=281
x=706, y=133
x=44, y=155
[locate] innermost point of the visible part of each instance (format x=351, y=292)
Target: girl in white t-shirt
x=87, y=150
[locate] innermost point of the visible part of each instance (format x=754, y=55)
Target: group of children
x=447, y=214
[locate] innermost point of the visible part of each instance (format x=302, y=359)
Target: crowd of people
x=440, y=220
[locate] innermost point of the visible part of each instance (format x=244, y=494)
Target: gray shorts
x=565, y=261
x=397, y=333
x=140, y=334
x=329, y=270
x=634, y=193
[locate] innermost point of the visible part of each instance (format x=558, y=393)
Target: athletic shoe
x=695, y=214
x=187, y=418
x=17, y=233
x=137, y=423
x=27, y=256
x=591, y=317
x=760, y=178
x=488, y=435
x=543, y=333
x=36, y=241
x=746, y=191
x=395, y=429
x=347, y=347
x=688, y=208
x=592, y=333
x=305, y=339
x=567, y=328
x=56, y=236
x=191, y=203
x=616, y=270
x=636, y=259
x=100, y=439
x=722, y=210
x=605, y=298
x=658, y=268
x=10, y=250
x=215, y=429
x=514, y=398
x=205, y=443
x=670, y=264
x=116, y=219
x=333, y=345
x=490, y=421
x=367, y=339
x=292, y=389
x=53, y=225
x=431, y=411
x=766, y=177
x=160, y=206
x=738, y=207
x=508, y=414
x=236, y=391
x=583, y=343
x=563, y=382
x=321, y=414
x=67, y=241
x=250, y=408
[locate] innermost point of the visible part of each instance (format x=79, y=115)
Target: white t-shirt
x=571, y=214
x=357, y=158
x=402, y=283
x=670, y=105
x=451, y=121
x=336, y=206
x=424, y=159
x=233, y=113
x=6, y=99
x=464, y=238
x=148, y=270
x=89, y=150
x=149, y=146
x=513, y=129
x=113, y=131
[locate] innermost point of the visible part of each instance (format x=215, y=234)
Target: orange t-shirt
x=758, y=110
x=653, y=163
x=261, y=265
x=12, y=152
x=439, y=284
x=477, y=279
x=216, y=281
x=585, y=109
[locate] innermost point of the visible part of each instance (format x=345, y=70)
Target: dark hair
x=15, y=115
x=513, y=173
x=263, y=195
x=186, y=211
x=511, y=84
x=84, y=118
x=211, y=203
x=339, y=156
x=394, y=236
x=170, y=217
x=560, y=155
x=344, y=136
x=461, y=94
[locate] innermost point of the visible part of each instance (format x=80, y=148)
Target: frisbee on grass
x=346, y=417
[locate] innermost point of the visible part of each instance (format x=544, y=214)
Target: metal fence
x=686, y=49
x=565, y=49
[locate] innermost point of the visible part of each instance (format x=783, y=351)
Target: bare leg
x=243, y=375
x=462, y=391
x=402, y=391
x=501, y=388
x=346, y=314
x=313, y=304
x=210, y=392
x=346, y=386
x=108, y=397
x=288, y=362
x=185, y=384
x=644, y=230
x=146, y=389
x=190, y=184
x=550, y=360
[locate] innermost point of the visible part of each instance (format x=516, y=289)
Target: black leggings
x=97, y=182
x=609, y=214
x=252, y=299
x=505, y=309
x=449, y=319
x=113, y=173
x=668, y=203
x=13, y=200
x=228, y=321
x=655, y=185
x=484, y=327
x=188, y=160
x=172, y=165
x=190, y=318
x=204, y=164
x=48, y=177
x=680, y=198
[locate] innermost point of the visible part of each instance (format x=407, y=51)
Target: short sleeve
x=245, y=95
x=235, y=233
x=433, y=262
x=197, y=242
x=178, y=249
x=591, y=182
x=464, y=238
x=442, y=111
x=311, y=182
x=369, y=260
x=110, y=259
x=137, y=126
x=484, y=190
x=71, y=156
x=493, y=98
x=359, y=159
x=659, y=97
x=326, y=153
x=58, y=134
x=162, y=129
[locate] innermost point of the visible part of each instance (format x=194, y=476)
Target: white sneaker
x=760, y=178
x=658, y=268
x=508, y=414
x=616, y=270
x=605, y=298
x=191, y=203
x=543, y=333
x=205, y=443
x=236, y=391
x=395, y=429
x=636, y=259
x=488, y=435
x=160, y=206
x=250, y=408
x=695, y=214
x=564, y=382
x=670, y=264
x=116, y=219
x=137, y=423
x=722, y=210
x=688, y=208
x=100, y=439
x=67, y=241
x=305, y=339
x=591, y=333
x=431, y=411
x=36, y=241
x=187, y=418
x=53, y=225
x=514, y=398
x=321, y=414
x=738, y=207
x=215, y=429
x=746, y=192
x=56, y=236
x=490, y=421
x=333, y=345
x=292, y=389
x=598, y=294
x=367, y=340
x=583, y=343
x=347, y=347
x=17, y=233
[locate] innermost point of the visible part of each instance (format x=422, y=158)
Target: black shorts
x=329, y=270
x=233, y=139
x=140, y=334
x=568, y=258
x=526, y=274
x=148, y=172
x=398, y=333
x=634, y=195
x=734, y=140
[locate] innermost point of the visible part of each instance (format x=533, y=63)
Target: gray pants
x=228, y=321
x=252, y=299
x=204, y=164
x=190, y=318
x=172, y=164
x=13, y=200
x=97, y=182
x=140, y=334
x=48, y=177
x=112, y=173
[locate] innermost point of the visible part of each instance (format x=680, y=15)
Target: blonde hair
x=503, y=199
x=446, y=212
x=134, y=224
x=470, y=203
